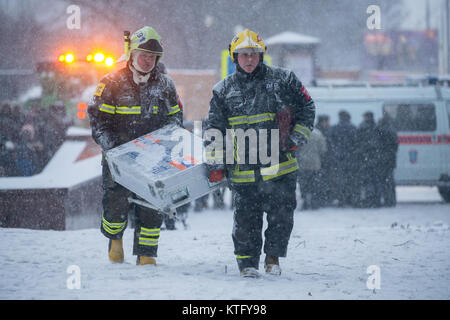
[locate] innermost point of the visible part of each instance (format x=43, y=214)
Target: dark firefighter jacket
x=269, y=98
x=121, y=110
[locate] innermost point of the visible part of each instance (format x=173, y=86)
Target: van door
x=418, y=157
x=444, y=190
x=445, y=140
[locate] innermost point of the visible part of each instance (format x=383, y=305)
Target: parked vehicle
x=421, y=115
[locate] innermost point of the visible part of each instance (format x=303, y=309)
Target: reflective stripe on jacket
x=121, y=111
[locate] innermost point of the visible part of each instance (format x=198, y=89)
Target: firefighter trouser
x=277, y=199
x=116, y=208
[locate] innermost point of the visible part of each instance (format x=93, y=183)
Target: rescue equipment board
x=164, y=168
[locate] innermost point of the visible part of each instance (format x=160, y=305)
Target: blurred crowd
x=343, y=165
x=349, y=166
x=28, y=140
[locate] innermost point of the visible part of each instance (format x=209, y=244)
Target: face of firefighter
x=248, y=61
x=144, y=61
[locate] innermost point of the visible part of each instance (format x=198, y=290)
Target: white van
x=421, y=115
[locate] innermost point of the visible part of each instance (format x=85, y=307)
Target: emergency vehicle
x=74, y=71
x=421, y=115
x=71, y=181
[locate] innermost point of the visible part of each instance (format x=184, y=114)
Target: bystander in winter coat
x=367, y=154
x=310, y=162
x=387, y=160
x=343, y=142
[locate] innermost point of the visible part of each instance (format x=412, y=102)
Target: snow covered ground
x=405, y=249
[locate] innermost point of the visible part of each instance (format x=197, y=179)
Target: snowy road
x=329, y=254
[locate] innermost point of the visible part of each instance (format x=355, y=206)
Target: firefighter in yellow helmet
x=127, y=104
x=273, y=104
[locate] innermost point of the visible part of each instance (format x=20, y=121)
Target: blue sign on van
x=413, y=155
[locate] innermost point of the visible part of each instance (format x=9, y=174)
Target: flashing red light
x=82, y=108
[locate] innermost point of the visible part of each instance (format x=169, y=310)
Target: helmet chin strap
x=139, y=75
x=134, y=58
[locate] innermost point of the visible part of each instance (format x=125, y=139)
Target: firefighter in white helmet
x=127, y=104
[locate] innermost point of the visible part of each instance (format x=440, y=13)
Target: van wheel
x=445, y=193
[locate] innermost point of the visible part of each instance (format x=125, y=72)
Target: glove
x=289, y=145
x=216, y=175
x=106, y=141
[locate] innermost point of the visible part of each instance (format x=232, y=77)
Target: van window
x=412, y=117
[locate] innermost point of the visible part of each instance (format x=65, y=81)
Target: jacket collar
x=153, y=74
x=258, y=73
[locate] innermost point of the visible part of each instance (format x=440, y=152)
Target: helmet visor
x=248, y=50
x=152, y=46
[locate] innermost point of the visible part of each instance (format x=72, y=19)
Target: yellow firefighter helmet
x=246, y=39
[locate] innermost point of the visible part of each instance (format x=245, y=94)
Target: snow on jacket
x=310, y=155
x=255, y=101
x=121, y=110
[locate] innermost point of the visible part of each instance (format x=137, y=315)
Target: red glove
x=294, y=148
x=216, y=175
